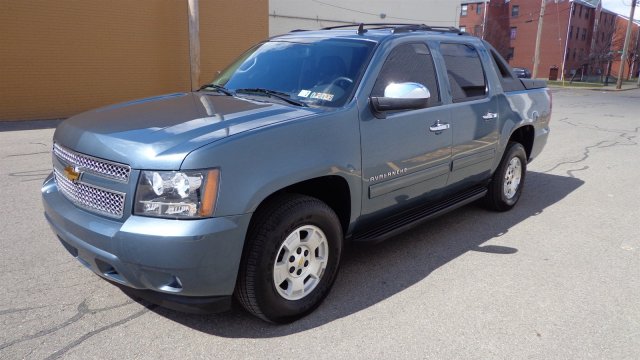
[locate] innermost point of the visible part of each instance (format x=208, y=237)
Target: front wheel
x=292, y=257
x=507, y=183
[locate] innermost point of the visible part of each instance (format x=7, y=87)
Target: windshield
x=322, y=72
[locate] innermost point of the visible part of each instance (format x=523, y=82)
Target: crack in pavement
x=27, y=154
x=15, y=310
x=88, y=335
x=599, y=128
x=585, y=156
x=31, y=175
x=570, y=172
x=82, y=310
x=28, y=356
x=625, y=134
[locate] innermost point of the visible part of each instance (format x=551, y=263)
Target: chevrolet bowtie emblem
x=71, y=173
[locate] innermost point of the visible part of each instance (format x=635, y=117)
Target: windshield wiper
x=218, y=88
x=272, y=93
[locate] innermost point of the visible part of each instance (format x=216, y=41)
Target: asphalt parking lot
x=558, y=277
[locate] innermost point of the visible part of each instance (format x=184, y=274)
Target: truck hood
x=158, y=132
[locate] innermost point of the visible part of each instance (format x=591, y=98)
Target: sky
x=621, y=7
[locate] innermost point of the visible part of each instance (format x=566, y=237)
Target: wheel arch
x=524, y=135
x=333, y=190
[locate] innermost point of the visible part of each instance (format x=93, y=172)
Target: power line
x=377, y=15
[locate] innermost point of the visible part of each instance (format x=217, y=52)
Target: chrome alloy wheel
x=301, y=262
x=512, y=178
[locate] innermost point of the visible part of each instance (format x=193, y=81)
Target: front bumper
x=166, y=261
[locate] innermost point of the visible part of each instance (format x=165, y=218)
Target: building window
x=566, y=58
x=463, y=28
x=587, y=13
x=573, y=12
x=513, y=32
x=574, y=54
x=577, y=32
x=570, y=32
x=477, y=30
x=515, y=11
x=584, y=34
x=511, y=54
x=580, y=13
x=479, y=9
x=463, y=10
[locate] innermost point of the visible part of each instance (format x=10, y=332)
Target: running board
x=407, y=219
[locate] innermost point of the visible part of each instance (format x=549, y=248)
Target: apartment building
x=579, y=37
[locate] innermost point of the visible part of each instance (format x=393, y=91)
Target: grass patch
x=578, y=84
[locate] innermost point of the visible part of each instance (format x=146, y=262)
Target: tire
x=507, y=183
x=282, y=283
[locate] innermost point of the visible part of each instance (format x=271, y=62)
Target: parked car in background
x=522, y=73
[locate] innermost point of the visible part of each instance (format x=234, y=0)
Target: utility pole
x=625, y=49
x=536, y=56
x=638, y=56
x=194, y=43
x=484, y=18
x=566, y=41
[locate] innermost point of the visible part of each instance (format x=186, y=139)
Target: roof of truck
x=371, y=31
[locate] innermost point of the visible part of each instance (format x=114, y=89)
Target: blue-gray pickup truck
x=252, y=185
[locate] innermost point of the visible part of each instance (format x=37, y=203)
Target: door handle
x=438, y=126
x=489, y=116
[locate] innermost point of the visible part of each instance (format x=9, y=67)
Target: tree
x=632, y=54
x=618, y=45
x=601, y=53
x=496, y=27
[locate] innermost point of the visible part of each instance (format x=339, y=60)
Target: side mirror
x=402, y=96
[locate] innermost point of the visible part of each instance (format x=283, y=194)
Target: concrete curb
x=18, y=125
x=611, y=89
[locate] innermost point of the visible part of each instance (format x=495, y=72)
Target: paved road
x=555, y=278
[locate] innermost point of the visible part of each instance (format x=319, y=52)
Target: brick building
x=58, y=58
x=579, y=37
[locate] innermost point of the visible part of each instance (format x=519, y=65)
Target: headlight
x=177, y=194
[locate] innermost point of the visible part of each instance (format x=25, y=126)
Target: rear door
x=474, y=115
x=404, y=162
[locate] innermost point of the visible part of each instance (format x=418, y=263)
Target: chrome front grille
x=93, y=198
x=100, y=167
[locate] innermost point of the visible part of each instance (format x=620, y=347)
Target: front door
x=404, y=160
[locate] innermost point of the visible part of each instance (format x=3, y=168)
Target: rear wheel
x=507, y=183
x=291, y=259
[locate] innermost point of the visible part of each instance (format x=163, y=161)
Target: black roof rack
x=398, y=27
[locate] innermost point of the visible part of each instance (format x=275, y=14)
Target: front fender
x=259, y=162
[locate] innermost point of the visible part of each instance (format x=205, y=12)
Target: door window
x=409, y=63
x=465, y=72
